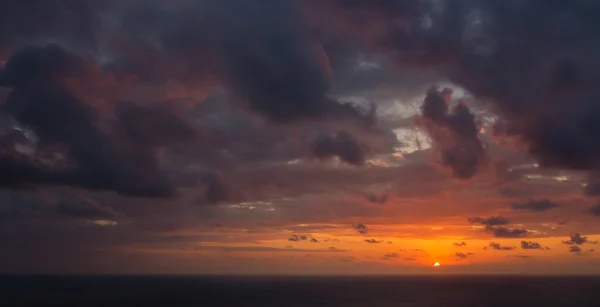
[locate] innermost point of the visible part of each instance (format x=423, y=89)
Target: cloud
x=41, y=100
x=459, y=244
x=492, y=225
x=391, y=255
x=535, y=205
x=454, y=133
x=574, y=249
x=361, y=228
x=461, y=255
x=296, y=238
x=377, y=199
x=530, y=245
x=489, y=222
x=497, y=246
x=340, y=144
x=578, y=239
x=595, y=209
x=313, y=240
x=373, y=241
x=503, y=232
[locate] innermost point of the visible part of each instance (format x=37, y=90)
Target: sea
x=446, y=291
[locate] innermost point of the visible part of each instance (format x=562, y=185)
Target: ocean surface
x=116, y=291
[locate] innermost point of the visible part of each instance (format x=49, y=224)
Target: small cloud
x=459, y=244
x=332, y=248
x=377, y=199
x=390, y=242
x=391, y=255
x=331, y=240
x=373, y=241
x=410, y=259
x=313, y=240
x=497, y=246
x=503, y=232
x=361, y=228
x=530, y=245
x=461, y=255
x=574, y=249
x=535, y=205
x=578, y=239
x=591, y=250
x=296, y=238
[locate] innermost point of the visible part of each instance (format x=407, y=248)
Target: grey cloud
x=535, y=205
x=497, y=246
x=461, y=255
x=503, y=232
x=530, y=245
x=373, y=241
x=454, y=132
x=489, y=222
x=340, y=144
x=459, y=244
x=578, y=239
x=574, y=249
x=361, y=228
x=377, y=199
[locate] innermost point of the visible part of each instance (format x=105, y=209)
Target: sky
x=299, y=137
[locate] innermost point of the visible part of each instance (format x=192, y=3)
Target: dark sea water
x=116, y=291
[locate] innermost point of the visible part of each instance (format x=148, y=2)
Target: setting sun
x=436, y=264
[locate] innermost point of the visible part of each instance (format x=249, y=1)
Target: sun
x=437, y=264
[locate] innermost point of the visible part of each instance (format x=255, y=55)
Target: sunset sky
x=320, y=137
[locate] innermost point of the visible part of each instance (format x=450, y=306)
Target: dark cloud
x=535, y=205
x=216, y=189
x=497, y=246
x=530, y=245
x=274, y=65
x=461, y=255
x=578, y=239
x=550, y=106
x=503, y=232
x=595, y=209
x=391, y=255
x=459, y=244
x=489, y=222
x=574, y=249
x=454, y=133
x=377, y=199
x=41, y=100
x=492, y=225
x=313, y=240
x=361, y=228
x=342, y=145
x=373, y=241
